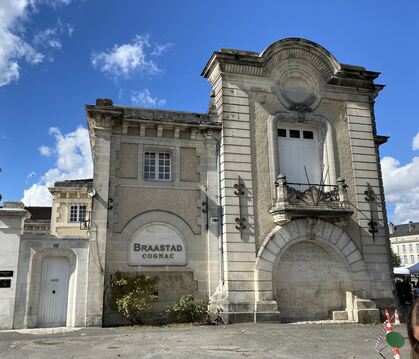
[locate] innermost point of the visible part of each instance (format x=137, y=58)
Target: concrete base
x=242, y=312
x=361, y=310
x=340, y=315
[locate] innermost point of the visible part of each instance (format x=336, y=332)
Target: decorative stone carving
x=312, y=202
x=297, y=86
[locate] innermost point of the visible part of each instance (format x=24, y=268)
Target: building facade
x=404, y=240
x=271, y=204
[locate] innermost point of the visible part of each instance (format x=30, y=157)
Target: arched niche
x=156, y=244
x=169, y=222
x=325, y=138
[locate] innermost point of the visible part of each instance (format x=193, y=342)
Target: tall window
x=300, y=155
x=77, y=212
x=157, y=166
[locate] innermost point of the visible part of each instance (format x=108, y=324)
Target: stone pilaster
x=371, y=214
x=236, y=296
x=102, y=130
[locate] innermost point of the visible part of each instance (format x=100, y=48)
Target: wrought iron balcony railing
x=317, y=200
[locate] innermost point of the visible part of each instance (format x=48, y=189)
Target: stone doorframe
x=32, y=307
x=303, y=229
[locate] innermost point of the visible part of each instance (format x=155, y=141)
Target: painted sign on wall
x=157, y=244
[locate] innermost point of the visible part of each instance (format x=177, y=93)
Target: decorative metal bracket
x=205, y=210
x=369, y=197
x=239, y=186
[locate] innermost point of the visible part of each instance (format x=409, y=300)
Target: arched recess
x=325, y=137
x=31, y=315
x=321, y=233
x=156, y=216
x=164, y=217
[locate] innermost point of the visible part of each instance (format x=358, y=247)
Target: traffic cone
x=389, y=329
x=396, y=317
x=387, y=315
x=396, y=352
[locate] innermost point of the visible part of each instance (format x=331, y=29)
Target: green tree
x=134, y=295
x=395, y=259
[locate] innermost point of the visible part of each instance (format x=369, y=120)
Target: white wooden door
x=54, y=292
x=298, y=155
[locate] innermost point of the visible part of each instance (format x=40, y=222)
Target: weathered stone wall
x=187, y=202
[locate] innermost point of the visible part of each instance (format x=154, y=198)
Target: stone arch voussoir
x=282, y=237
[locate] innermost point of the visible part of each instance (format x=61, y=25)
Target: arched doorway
x=54, y=292
x=310, y=280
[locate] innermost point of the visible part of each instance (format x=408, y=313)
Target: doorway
x=54, y=292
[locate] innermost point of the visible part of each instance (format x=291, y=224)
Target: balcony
x=329, y=202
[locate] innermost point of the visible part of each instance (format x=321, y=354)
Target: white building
x=404, y=240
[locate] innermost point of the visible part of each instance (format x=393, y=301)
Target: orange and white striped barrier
x=396, y=318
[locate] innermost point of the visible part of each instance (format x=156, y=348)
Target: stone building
x=404, y=239
x=43, y=260
x=271, y=203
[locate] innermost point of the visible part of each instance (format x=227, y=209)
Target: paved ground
x=250, y=340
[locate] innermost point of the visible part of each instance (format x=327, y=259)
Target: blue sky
x=58, y=55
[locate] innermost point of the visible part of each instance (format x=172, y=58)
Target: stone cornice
x=229, y=61
x=136, y=115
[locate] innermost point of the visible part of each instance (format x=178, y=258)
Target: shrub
x=187, y=310
x=133, y=296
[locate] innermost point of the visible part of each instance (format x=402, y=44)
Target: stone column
x=12, y=217
x=99, y=223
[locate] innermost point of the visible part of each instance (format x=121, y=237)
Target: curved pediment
x=302, y=51
x=306, y=55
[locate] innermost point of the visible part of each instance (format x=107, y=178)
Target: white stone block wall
x=11, y=226
x=366, y=176
x=232, y=104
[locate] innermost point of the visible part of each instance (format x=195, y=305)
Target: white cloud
x=160, y=49
x=14, y=48
x=144, y=99
x=401, y=185
x=73, y=161
x=126, y=59
x=415, y=142
x=47, y=38
x=45, y=151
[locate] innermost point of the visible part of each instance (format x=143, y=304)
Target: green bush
x=186, y=310
x=133, y=296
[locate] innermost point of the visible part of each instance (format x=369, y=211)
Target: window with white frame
x=299, y=152
x=410, y=247
x=157, y=166
x=77, y=212
x=412, y=259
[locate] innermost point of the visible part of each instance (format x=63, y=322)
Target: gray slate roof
x=74, y=183
x=401, y=230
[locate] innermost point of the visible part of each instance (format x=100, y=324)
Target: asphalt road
x=249, y=340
